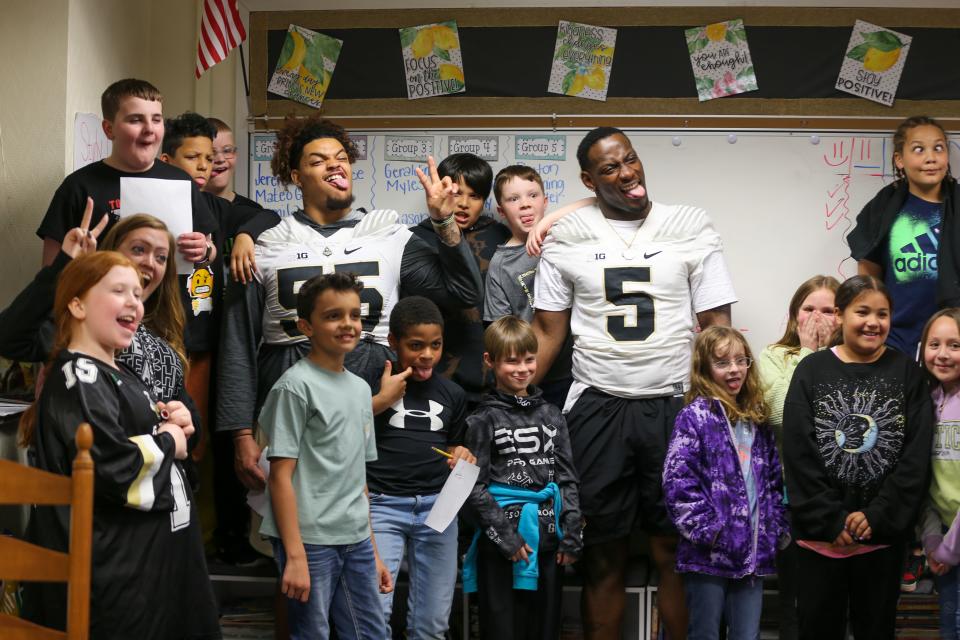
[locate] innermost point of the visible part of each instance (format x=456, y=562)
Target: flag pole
x=243, y=65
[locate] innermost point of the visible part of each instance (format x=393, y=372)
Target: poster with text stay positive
x=873, y=63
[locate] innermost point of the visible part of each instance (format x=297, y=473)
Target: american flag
x=220, y=31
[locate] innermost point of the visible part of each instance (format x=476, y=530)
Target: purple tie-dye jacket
x=706, y=495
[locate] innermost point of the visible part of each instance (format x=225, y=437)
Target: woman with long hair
x=156, y=354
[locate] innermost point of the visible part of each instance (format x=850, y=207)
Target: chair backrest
x=21, y=560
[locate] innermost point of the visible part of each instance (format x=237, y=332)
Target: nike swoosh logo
x=347, y=252
x=647, y=256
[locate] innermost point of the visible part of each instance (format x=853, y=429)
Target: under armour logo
x=398, y=419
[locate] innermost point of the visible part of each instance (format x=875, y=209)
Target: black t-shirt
x=101, y=182
x=231, y=216
x=908, y=256
x=244, y=201
x=463, y=328
x=148, y=575
x=430, y=414
x=203, y=291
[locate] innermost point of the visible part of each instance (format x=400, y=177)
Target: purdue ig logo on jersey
x=414, y=418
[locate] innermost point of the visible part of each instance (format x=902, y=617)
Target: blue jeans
x=948, y=586
x=344, y=590
x=398, y=525
x=711, y=599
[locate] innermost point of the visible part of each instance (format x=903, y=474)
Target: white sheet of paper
x=258, y=500
x=454, y=493
x=168, y=200
x=90, y=143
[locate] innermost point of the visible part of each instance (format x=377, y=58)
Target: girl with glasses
x=722, y=484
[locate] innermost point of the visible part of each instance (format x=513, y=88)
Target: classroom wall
x=56, y=57
x=33, y=87
x=113, y=39
x=101, y=47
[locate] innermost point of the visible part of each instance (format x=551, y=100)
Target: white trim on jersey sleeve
x=140, y=494
x=551, y=291
x=710, y=283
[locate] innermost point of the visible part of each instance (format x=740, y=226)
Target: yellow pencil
x=441, y=452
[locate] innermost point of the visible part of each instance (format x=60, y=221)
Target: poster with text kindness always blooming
x=582, y=60
x=721, y=60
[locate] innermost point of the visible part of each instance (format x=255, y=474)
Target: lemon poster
x=873, y=64
x=721, y=60
x=432, y=60
x=582, y=60
x=306, y=66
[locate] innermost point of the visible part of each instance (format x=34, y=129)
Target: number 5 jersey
x=633, y=288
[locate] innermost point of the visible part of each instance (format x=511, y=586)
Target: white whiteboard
x=782, y=201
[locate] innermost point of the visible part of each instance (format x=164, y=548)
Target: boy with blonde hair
x=526, y=495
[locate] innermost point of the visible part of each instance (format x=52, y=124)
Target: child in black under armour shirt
x=418, y=412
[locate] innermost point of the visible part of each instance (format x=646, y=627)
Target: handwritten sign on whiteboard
x=89, y=142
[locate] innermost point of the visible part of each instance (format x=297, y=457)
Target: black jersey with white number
x=431, y=413
x=149, y=576
x=386, y=256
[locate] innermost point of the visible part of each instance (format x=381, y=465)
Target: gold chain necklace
x=628, y=251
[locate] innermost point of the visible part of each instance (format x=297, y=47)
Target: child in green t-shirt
x=318, y=419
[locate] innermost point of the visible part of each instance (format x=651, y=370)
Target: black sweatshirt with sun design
x=857, y=437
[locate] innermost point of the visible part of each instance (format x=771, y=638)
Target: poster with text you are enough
x=432, y=60
x=720, y=58
x=873, y=63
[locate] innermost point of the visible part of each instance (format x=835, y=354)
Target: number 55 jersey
x=633, y=288
x=385, y=256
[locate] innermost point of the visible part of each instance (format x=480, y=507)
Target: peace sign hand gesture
x=440, y=193
x=82, y=240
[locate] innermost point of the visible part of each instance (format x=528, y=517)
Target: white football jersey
x=633, y=302
x=292, y=252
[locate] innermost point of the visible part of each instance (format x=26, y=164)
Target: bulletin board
x=507, y=53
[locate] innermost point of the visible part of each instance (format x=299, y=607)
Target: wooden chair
x=21, y=560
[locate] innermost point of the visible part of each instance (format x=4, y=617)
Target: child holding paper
x=526, y=495
x=133, y=121
x=418, y=414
